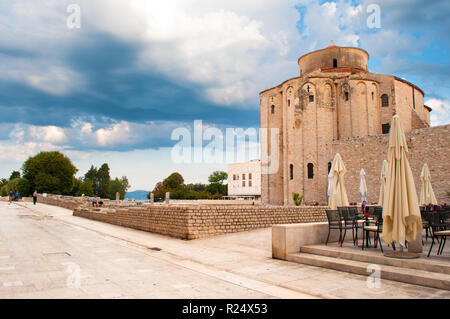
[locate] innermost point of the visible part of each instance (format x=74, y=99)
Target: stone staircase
x=431, y=272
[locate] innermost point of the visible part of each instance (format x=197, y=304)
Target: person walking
x=34, y=197
x=11, y=195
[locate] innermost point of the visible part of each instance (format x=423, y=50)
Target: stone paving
x=45, y=252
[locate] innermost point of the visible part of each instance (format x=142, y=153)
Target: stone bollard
x=167, y=198
x=152, y=198
x=117, y=196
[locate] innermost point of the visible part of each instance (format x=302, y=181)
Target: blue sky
x=114, y=89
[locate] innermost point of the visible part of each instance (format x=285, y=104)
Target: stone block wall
x=190, y=222
x=426, y=145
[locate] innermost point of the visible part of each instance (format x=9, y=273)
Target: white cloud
x=441, y=111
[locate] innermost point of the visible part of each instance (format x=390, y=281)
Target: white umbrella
x=362, y=186
x=426, y=192
x=330, y=184
x=401, y=213
x=383, y=176
x=338, y=196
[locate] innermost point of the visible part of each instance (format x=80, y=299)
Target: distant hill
x=137, y=195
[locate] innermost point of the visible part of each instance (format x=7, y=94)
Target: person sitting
x=95, y=201
x=100, y=203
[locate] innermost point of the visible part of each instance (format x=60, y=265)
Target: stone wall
x=427, y=145
x=191, y=222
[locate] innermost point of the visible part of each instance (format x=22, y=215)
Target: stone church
x=337, y=105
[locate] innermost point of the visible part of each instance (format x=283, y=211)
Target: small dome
x=334, y=59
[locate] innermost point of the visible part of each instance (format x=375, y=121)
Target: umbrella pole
x=401, y=254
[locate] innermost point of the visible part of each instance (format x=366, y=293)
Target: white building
x=244, y=179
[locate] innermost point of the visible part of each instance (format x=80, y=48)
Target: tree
x=91, y=175
x=86, y=188
x=103, y=178
x=218, y=177
x=159, y=192
x=3, y=182
x=14, y=175
x=174, y=181
x=19, y=185
x=216, y=185
x=49, y=172
x=118, y=186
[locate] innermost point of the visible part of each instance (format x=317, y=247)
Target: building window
x=234, y=177
x=289, y=102
x=334, y=63
x=243, y=183
x=384, y=100
x=250, y=184
x=329, y=167
x=311, y=98
x=273, y=109
x=310, y=170
x=385, y=128
x=291, y=171
x=249, y=175
x=372, y=96
x=243, y=177
x=346, y=96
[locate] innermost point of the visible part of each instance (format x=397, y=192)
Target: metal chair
x=439, y=231
x=376, y=226
x=348, y=222
x=334, y=222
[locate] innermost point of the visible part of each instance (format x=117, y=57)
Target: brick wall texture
x=192, y=222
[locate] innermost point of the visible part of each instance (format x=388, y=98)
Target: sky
x=111, y=80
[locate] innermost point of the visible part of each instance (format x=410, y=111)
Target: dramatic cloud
x=137, y=69
x=441, y=111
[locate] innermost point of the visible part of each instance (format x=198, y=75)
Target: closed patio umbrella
x=401, y=214
x=338, y=194
x=362, y=186
x=384, y=172
x=330, y=184
x=426, y=192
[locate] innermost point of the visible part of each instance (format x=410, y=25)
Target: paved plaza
x=45, y=252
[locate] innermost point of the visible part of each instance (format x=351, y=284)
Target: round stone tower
x=334, y=59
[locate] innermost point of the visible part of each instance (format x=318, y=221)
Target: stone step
x=376, y=257
x=400, y=274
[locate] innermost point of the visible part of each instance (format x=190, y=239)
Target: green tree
x=50, y=172
x=103, y=181
x=4, y=190
x=3, y=182
x=118, y=185
x=174, y=181
x=217, y=186
x=19, y=185
x=91, y=175
x=86, y=188
x=14, y=175
x=159, y=192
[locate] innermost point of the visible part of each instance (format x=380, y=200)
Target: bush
x=298, y=199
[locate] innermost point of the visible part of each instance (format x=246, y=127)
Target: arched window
x=291, y=170
x=289, y=102
x=311, y=98
x=346, y=96
x=329, y=167
x=385, y=100
x=334, y=63
x=273, y=109
x=310, y=170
